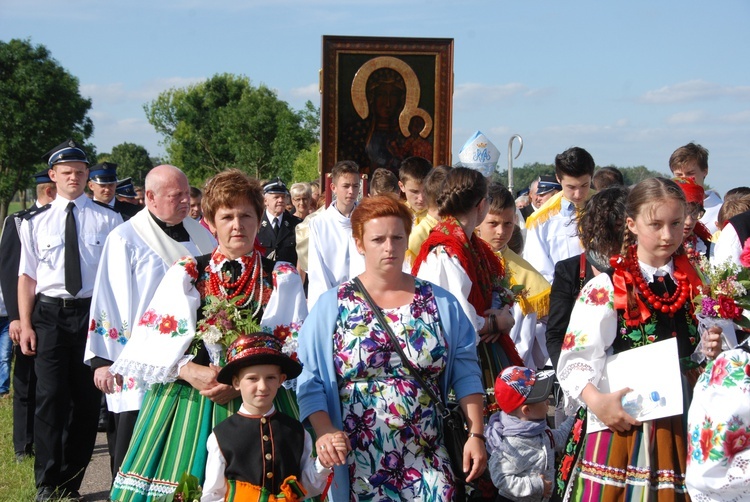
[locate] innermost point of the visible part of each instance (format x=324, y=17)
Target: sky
x=628, y=81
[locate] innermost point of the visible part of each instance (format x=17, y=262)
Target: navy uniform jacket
x=284, y=246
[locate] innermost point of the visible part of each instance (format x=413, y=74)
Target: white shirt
x=43, y=244
x=313, y=477
x=727, y=247
x=711, y=204
x=328, y=253
x=272, y=217
x=553, y=240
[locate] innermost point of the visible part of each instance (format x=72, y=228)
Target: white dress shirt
x=43, y=244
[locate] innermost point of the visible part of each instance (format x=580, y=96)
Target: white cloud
x=310, y=91
x=689, y=117
x=117, y=92
x=742, y=117
x=472, y=95
x=694, y=90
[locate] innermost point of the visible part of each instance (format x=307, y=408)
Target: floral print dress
x=392, y=425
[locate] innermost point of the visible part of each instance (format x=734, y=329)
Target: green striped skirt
x=170, y=439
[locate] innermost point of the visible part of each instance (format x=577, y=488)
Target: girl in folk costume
x=647, y=300
x=456, y=259
x=176, y=346
x=696, y=236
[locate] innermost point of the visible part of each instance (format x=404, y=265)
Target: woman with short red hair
x=354, y=381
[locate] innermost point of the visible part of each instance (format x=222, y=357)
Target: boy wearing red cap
x=521, y=444
x=259, y=453
x=696, y=237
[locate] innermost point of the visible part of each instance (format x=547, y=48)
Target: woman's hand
x=608, y=408
x=475, y=458
x=711, y=339
x=501, y=325
x=332, y=444
x=220, y=393
x=199, y=376
x=333, y=448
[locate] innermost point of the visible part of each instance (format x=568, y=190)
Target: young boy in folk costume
x=696, y=236
x=647, y=300
x=260, y=454
x=411, y=177
x=497, y=230
x=432, y=185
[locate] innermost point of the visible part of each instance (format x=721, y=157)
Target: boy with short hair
x=520, y=443
x=411, y=177
x=432, y=185
x=259, y=453
x=384, y=182
x=691, y=161
x=330, y=233
x=497, y=230
x=552, y=233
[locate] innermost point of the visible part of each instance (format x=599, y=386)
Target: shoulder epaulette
x=105, y=205
x=544, y=213
x=29, y=213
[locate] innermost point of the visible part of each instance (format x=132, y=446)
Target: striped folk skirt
x=645, y=463
x=170, y=439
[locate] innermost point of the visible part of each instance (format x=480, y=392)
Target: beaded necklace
x=665, y=303
x=248, y=286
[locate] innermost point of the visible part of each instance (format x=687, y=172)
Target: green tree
x=226, y=122
x=523, y=176
x=41, y=107
x=305, y=166
x=132, y=161
x=635, y=174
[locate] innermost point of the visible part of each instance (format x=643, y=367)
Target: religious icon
x=385, y=100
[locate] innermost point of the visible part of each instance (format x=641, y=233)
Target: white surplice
x=552, y=235
x=134, y=260
x=711, y=204
x=328, y=252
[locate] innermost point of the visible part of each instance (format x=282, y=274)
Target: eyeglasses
x=696, y=213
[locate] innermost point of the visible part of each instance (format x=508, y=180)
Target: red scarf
x=482, y=266
x=475, y=256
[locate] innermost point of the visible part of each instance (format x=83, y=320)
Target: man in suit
x=103, y=185
x=24, y=378
x=277, y=227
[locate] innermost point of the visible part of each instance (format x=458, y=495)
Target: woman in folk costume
x=177, y=345
x=696, y=236
x=647, y=300
x=454, y=258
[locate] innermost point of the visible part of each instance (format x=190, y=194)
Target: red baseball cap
x=517, y=385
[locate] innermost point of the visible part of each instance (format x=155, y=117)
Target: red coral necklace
x=665, y=303
x=248, y=285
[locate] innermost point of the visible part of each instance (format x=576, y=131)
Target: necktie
x=73, y=282
x=276, y=225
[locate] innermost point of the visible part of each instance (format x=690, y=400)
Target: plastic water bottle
x=637, y=404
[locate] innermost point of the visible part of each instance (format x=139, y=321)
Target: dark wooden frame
x=430, y=59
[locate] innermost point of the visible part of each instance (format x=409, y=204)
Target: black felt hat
x=258, y=348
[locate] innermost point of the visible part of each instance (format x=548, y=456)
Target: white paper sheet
x=653, y=367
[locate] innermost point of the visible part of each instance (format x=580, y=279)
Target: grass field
x=16, y=480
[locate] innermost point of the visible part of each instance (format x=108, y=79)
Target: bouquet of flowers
x=223, y=321
x=724, y=299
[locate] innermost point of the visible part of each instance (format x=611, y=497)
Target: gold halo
x=359, y=93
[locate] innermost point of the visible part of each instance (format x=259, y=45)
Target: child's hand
x=608, y=408
x=547, y=487
x=711, y=342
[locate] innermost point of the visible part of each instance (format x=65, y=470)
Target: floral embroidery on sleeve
x=103, y=328
x=164, y=324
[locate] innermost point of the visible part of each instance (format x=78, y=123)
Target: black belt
x=65, y=302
